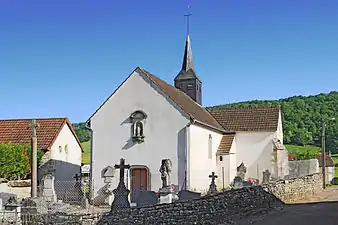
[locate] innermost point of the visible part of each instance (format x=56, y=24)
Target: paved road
x=320, y=210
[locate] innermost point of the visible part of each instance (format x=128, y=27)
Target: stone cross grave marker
x=266, y=176
x=121, y=193
x=34, y=125
x=48, y=191
x=77, y=195
x=212, y=186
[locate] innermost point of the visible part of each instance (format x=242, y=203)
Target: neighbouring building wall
x=64, y=157
x=203, y=147
x=66, y=148
x=164, y=131
x=255, y=150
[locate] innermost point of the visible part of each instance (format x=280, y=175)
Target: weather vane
x=188, y=19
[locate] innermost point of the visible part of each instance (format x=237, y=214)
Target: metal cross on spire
x=188, y=19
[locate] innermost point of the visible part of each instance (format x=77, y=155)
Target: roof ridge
x=243, y=108
x=183, y=93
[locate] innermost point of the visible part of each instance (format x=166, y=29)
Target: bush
x=15, y=160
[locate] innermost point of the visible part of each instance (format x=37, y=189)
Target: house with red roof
x=55, y=137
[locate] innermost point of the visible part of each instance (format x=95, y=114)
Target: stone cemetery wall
x=295, y=189
x=221, y=207
x=20, y=188
x=300, y=168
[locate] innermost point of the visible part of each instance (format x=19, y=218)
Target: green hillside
x=86, y=154
x=302, y=116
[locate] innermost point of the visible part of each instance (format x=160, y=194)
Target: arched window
x=221, y=158
x=210, y=147
x=60, y=148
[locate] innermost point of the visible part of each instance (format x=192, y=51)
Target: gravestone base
x=167, y=195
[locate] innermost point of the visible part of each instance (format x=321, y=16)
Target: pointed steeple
x=187, y=59
x=187, y=71
x=187, y=79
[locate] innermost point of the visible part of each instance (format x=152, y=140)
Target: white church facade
x=147, y=120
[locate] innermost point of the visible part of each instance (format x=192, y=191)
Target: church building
x=147, y=120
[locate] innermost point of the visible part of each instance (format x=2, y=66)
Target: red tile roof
x=187, y=104
x=328, y=160
x=17, y=131
x=247, y=119
x=226, y=143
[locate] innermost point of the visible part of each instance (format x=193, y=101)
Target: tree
x=302, y=118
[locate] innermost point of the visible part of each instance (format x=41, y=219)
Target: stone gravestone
x=266, y=176
x=107, y=174
x=48, y=191
x=241, y=171
x=238, y=182
x=121, y=193
x=146, y=198
x=5, y=197
x=29, y=212
x=188, y=195
x=212, y=186
x=12, y=210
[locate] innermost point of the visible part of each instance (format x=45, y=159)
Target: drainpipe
x=187, y=156
x=91, y=183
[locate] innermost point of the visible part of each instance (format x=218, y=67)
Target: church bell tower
x=187, y=79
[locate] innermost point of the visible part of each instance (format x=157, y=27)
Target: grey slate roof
x=187, y=71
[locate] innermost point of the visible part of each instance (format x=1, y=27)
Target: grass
x=86, y=153
x=294, y=149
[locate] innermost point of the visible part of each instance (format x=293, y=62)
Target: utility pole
x=33, y=125
x=323, y=154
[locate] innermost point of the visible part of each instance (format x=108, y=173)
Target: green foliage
x=303, y=152
x=302, y=118
x=15, y=160
x=86, y=153
x=82, y=133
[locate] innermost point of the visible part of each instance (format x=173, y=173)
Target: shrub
x=15, y=160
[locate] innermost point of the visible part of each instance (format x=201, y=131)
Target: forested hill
x=302, y=116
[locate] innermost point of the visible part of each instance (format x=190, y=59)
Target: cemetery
x=167, y=206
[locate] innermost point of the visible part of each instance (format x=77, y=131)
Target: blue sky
x=64, y=58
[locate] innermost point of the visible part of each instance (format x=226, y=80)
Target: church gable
x=133, y=89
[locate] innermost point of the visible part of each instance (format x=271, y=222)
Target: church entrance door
x=139, y=180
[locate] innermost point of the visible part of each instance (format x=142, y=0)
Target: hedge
x=15, y=160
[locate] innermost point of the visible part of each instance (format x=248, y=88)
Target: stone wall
x=295, y=189
x=223, y=207
x=300, y=168
x=14, y=187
